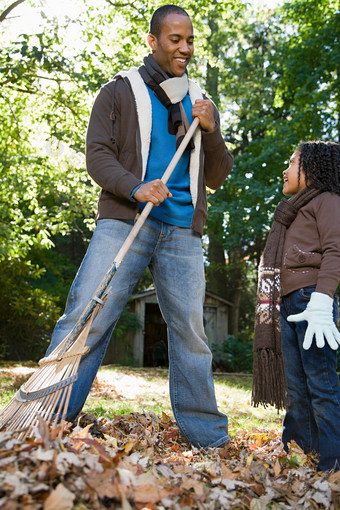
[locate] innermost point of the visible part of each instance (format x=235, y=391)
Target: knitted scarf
x=269, y=384
x=170, y=91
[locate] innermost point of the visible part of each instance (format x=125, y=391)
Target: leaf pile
x=140, y=461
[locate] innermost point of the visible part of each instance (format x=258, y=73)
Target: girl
x=301, y=263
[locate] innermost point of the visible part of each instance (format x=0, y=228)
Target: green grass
x=123, y=390
x=5, y=395
x=233, y=393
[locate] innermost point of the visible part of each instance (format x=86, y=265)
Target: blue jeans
x=175, y=258
x=313, y=413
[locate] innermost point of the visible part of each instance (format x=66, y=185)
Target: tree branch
x=127, y=4
x=114, y=4
x=10, y=8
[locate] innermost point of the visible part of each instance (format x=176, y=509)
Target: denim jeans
x=313, y=414
x=175, y=258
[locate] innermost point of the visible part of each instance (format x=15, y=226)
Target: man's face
x=174, y=48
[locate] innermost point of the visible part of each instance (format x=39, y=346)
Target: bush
x=27, y=314
x=233, y=356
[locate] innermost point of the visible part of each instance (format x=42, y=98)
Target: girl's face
x=291, y=182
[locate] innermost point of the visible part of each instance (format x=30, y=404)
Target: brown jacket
x=117, y=165
x=311, y=253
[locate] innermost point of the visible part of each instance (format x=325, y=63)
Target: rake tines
x=47, y=392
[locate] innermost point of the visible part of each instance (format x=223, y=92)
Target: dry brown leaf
x=82, y=432
x=166, y=418
x=147, y=489
x=277, y=467
x=93, y=446
x=187, y=502
x=147, y=493
x=334, y=479
x=227, y=472
x=59, y=499
x=104, y=464
x=192, y=484
x=129, y=446
x=297, y=453
x=44, y=432
x=103, y=484
x=16, y=484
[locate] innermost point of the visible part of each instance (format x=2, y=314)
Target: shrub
x=233, y=356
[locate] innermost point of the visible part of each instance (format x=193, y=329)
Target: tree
x=309, y=87
x=282, y=86
x=43, y=189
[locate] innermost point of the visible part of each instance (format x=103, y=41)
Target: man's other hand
x=204, y=110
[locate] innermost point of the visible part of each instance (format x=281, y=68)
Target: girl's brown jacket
x=311, y=252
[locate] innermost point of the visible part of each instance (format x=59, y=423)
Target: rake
x=47, y=392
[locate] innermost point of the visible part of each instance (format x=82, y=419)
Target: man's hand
x=204, y=110
x=153, y=191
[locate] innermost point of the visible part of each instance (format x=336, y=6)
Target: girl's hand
x=319, y=315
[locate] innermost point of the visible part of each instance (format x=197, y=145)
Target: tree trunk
x=235, y=282
x=216, y=271
x=235, y=313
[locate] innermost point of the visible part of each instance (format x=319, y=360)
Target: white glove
x=319, y=315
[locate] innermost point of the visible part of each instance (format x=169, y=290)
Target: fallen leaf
x=19, y=486
x=103, y=484
x=147, y=489
x=59, y=499
x=296, y=454
x=277, y=467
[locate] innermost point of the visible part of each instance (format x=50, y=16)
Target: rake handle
x=99, y=292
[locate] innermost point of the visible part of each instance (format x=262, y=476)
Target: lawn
x=121, y=390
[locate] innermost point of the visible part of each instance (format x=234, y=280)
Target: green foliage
x=233, y=356
x=44, y=189
x=27, y=314
x=280, y=85
x=283, y=86
x=128, y=321
x=310, y=84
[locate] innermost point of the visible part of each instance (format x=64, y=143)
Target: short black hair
x=320, y=162
x=160, y=14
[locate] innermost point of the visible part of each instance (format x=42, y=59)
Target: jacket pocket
x=298, y=260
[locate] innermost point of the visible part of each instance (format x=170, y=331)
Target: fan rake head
x=46, y=394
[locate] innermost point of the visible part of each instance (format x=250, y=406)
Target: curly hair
x=320, y=163
x=160, y=14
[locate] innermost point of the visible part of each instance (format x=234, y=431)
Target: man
x=132, y=136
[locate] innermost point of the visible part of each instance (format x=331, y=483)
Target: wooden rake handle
x=99, y=292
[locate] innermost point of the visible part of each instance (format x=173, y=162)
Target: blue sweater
x=178, y=209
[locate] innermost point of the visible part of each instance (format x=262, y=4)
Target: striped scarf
x=170, y=92
x=269, y=384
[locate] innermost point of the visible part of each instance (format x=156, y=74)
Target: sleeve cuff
x=134, y=191
x=212, y=139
